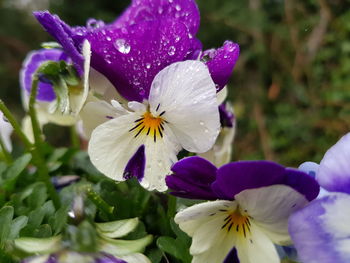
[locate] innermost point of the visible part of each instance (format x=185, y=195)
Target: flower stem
x=43, y=172
x=17, y=128
x=171, y=206
x=75, y=141
x=100, y=203
x=32, y=113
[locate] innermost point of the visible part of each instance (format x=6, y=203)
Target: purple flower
x=147, y=37
x=30, y=65
x=321, y=231
x=252, y=201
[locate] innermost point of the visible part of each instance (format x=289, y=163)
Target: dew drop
x=170, y=1
x=148, y=65
x=160, y=10
x=178, y=7
x=201, y=123
x=108, y=38
x=122, y=46
x=177, y=39
x=171, y=51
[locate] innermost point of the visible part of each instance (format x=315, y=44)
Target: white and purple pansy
x=321, y=231
x=144, y=139
x=251, y=202
x=147, y=37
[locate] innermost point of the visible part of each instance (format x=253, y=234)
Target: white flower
x=181, y=112
x=251, y=223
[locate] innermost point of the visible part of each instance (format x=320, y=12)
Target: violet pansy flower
x=147, y=37
x=321, y=231
x=144, y=139
x=249, y=211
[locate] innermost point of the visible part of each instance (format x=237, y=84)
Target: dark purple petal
x=131, y=57
x=195, y=49
x=192, y=178
x=139, y=11
x=63, y=35
x=232, y=257
x=221, y=62
x=334, y=171
x=227, y=117
x=235, y=177
x=136, y=165
x=302, y=182
x=32, y=63
x=314, y=239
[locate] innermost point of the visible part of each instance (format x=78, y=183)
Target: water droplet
x=108, y=38
x=170, y=1
x=160, y=163
x=122, y=46
x=206, y=130
x=160, y=10
x=201, y=123
x=148, y=65
x=171, y=51
x=177, y=39
x=231, y=48
x=178, y=7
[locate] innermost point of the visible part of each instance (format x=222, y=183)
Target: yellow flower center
x=149, y=125
x=235, y=221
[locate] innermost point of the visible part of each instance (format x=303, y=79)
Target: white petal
x=160, y=156
x=136, y=258
x=5, y=132
x=270, y=208
x=187, y=94
x=112, y=145
x=222, y=95
x=220, y=153
x=258, y=248
x=190, y=219
x=38, y=245
x=101, y=87
x=94, y=114
x=120, y=248
x=137, y=106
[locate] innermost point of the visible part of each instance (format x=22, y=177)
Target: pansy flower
x=147, y=37
x=47, y=101
x=6, y=130
x=251, y=202
x=321, y=231
x=144, y=139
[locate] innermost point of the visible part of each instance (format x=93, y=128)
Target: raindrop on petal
x=122, y=46
x=171, y=51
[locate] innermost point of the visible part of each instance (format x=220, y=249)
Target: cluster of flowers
x=140, y=90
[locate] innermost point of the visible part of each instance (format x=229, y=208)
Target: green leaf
x=38, y=196
x=38, y=245
x=17, y=224
x=116, y=229
x=174, y=247
x=43, y=231
x=49, y=68
x=6, y=215
x=14, y=171
x=59, y=220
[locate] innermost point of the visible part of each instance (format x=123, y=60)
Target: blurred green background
x=290, y=88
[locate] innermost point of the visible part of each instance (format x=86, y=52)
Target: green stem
x=33, y=116
x=74, y=137
x=17, y=128
x=171, y=206
x=100, y=203
x=6, y=153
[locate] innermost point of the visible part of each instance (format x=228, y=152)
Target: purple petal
x=192, y=178
x=238, y=176
x=227, y=117
x=131, y=57
x=310, y=168
x=32, y=63
x=232, y=257
x=334, y=170
x=106, y=258
x=136, y=165
x=63, y=35
x=139, y=11
x=221, y=62
x=314, y=239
